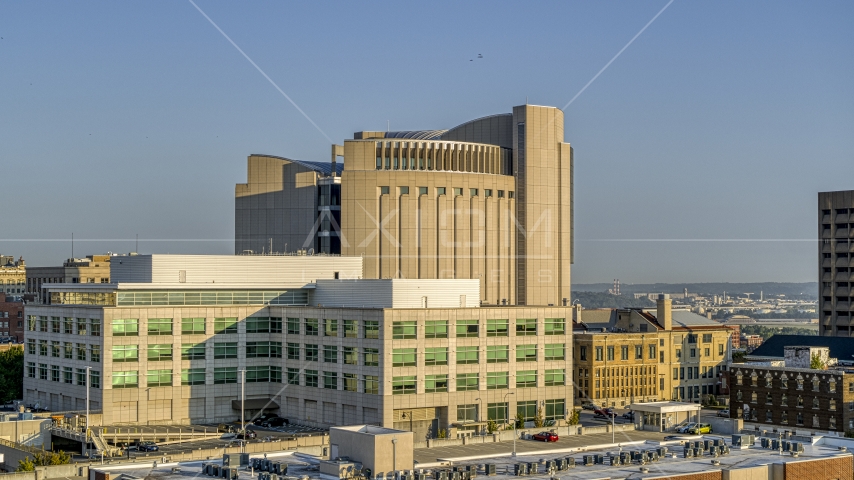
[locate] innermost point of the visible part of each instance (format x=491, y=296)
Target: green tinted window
x=556, y=351
x=404, y=330
x=555, y=326
x=497, y=328
x=160, y=352
x=193, y=351
x=466, y=328
x=467, y=355
x=193, y=326
x=371, y=357
x=555, y=377
x=126, y=327
x=497, y=354
x=225, y=350
x=403, y=385
x=159, y=326
x=497, y=380
x=193, y=376
x=372, y=329
x=436, y=383
x=436, y=356
x=436, y=329
x=467, y=381
x=404, y=357
x=526, y=378
x=225, y=325
x=526, y=327
x=526, y=353
x=125, y=353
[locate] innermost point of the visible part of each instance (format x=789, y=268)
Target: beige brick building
x=490, y=199
x=169, y=341
x=13, y=276
x=623, y=356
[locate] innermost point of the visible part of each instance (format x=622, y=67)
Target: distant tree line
x=768, y=332
x=606, y=300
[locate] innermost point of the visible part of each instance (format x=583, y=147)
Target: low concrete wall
x=34, y=433
x=507, y=435
x=49, y=472
x=726, y=425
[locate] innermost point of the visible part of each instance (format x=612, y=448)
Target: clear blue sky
x=721, y=121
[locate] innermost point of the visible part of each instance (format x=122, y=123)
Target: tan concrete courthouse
x=490, y=199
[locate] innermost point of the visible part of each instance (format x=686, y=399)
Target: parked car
x=724, y=413
x=545, y=437
x=589, y=406
x=146, y=447
x=275, y=422
x=684, y=428
x=700, y=428
x=630, y=415
x=226, y=428
x=263, y=418
x=604, y=413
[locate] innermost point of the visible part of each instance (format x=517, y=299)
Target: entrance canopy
x=665, y=416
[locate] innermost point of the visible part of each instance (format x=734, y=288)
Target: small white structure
x=382, y=450
x=664, y=416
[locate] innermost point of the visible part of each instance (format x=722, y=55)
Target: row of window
x=696, y=372
x=471, y=328
x=67, y=350
x=784, y=401
x=783, y=381
x=458, y=192
x=753, y=415
x=408, y=357
x=69, y=375
x=610, y=353
x=197, y=351
x=552, y=409
x=408, y=385
x=296, y=326
x=66, y=325
x=197, y=376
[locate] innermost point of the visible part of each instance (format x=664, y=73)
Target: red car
x=545, y=437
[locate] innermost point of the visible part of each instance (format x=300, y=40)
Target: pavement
x=432, y=455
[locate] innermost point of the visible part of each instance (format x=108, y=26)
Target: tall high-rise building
x=490, y=199
x=835, y=265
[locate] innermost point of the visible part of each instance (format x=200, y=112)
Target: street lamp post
x=507, y=406
x=242, y=410
x=480, y=414
x=86, y=432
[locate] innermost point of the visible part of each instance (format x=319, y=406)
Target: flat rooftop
x=303, y=465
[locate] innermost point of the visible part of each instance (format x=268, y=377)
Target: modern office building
x=490, y=199
x=91, y=269
x=13, y=276
x=836, y=263
x=169, y=340
x=624, y=356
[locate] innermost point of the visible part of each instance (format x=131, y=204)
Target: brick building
x=11, y=320
x=784, y=393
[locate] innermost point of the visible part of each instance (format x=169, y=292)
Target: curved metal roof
x=324, y=168
x=417, y=134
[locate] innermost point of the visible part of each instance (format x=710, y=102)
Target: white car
x=686, y=427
